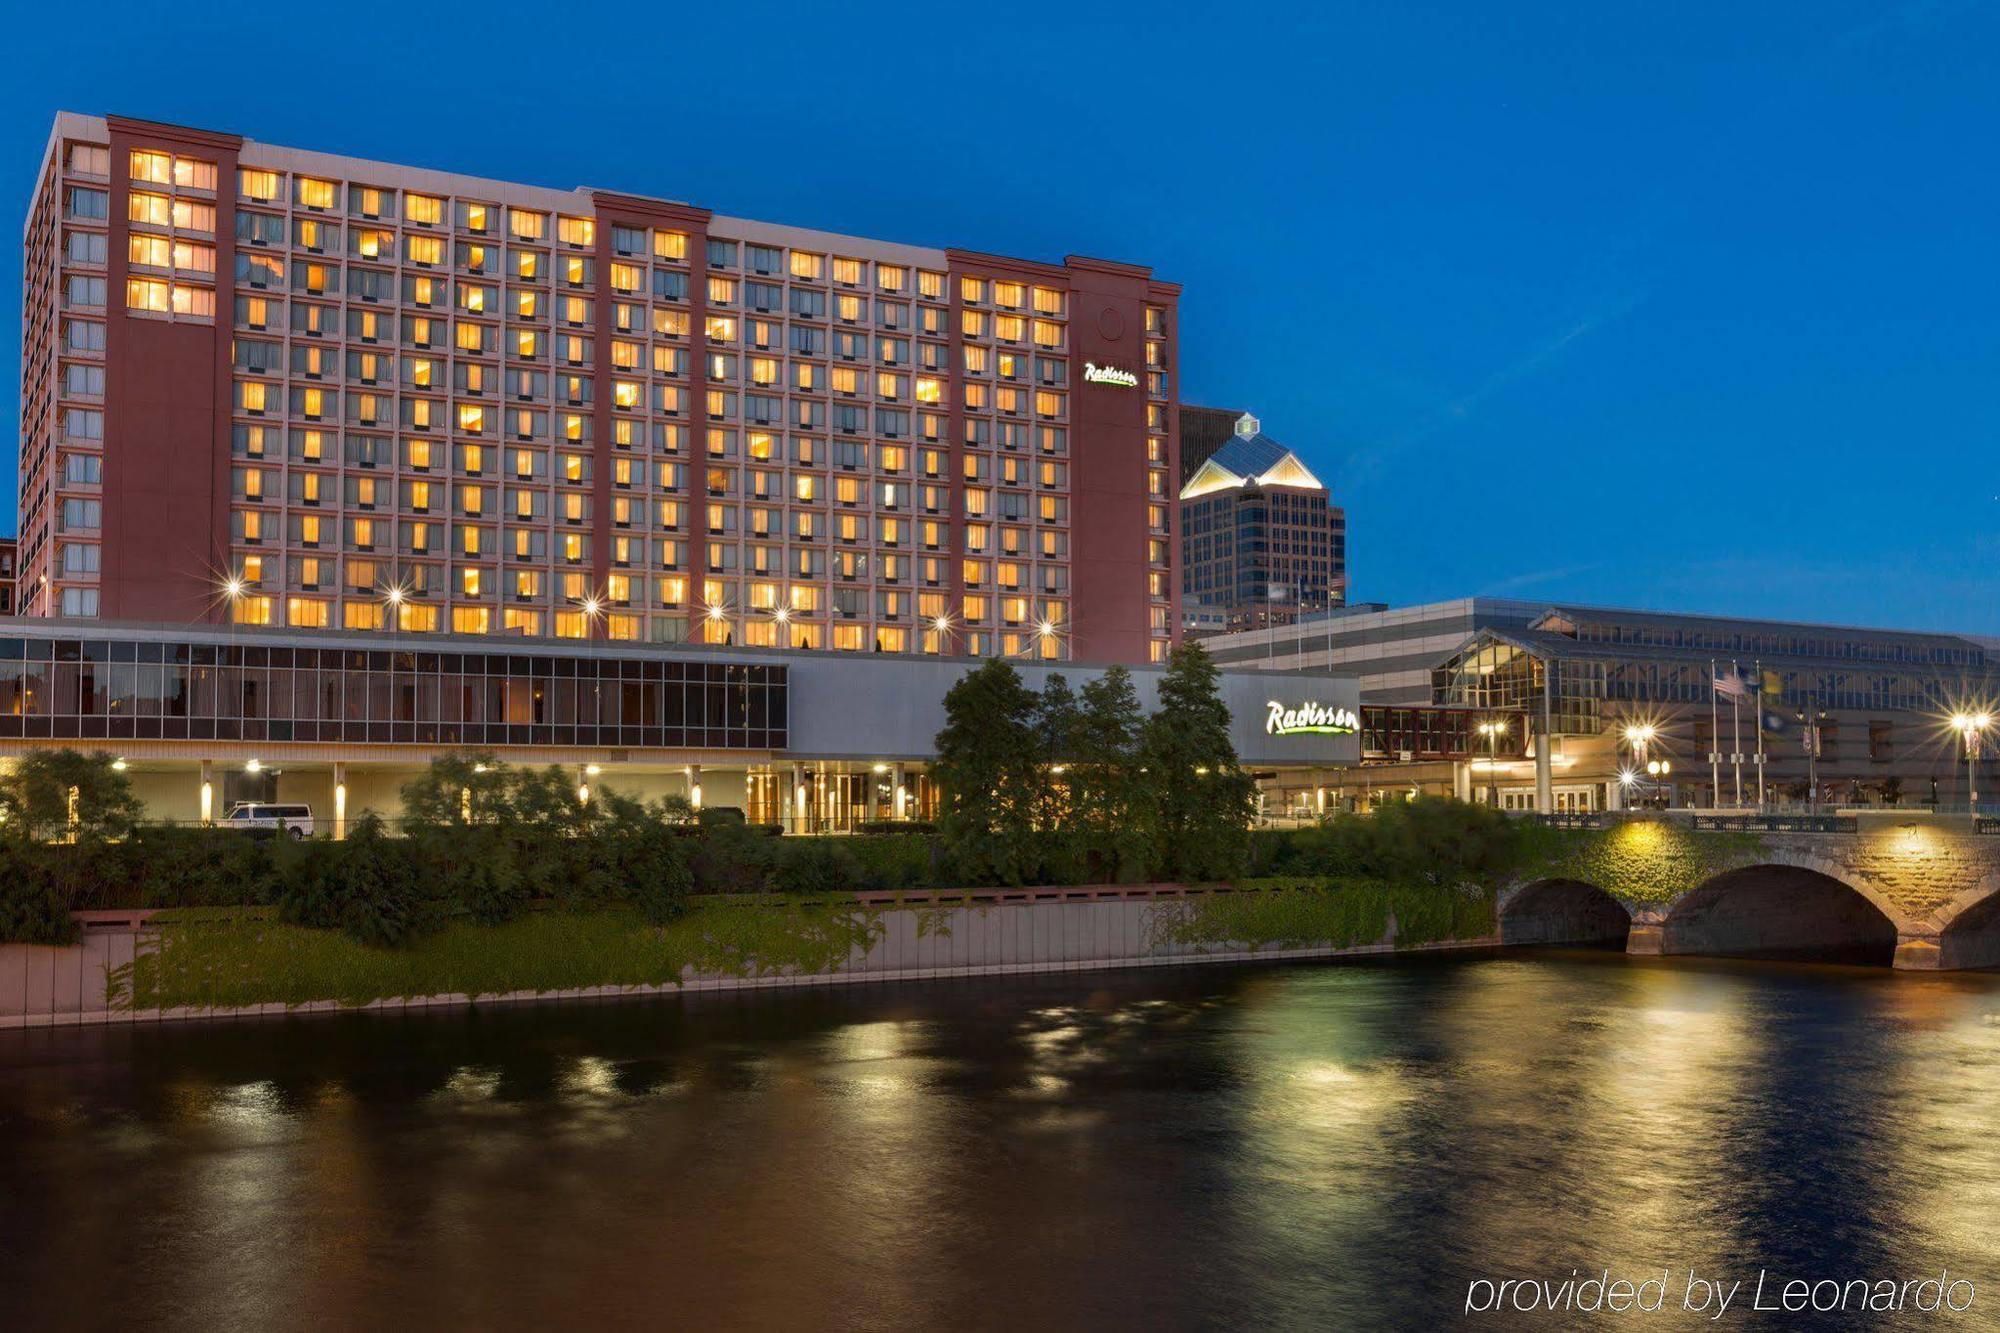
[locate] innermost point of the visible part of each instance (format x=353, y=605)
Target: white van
x=296, y=820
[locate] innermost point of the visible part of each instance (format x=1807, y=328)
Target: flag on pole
x=1730, y=686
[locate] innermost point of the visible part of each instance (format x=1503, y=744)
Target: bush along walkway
x=194, y=961
x=224, y=959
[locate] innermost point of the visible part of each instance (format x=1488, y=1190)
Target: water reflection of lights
x=256, y=1108
x=869, y=1041
x=468, y=1086
x=591, y=1078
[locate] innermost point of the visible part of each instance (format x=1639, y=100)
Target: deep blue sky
x=1692, y=306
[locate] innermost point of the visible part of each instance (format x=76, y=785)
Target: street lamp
x=1658, y=769
x=1972, y=727
x=1640, y=735
x=941, y=627
x=1493, y=731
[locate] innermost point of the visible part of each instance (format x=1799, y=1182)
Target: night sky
x=1692, y=307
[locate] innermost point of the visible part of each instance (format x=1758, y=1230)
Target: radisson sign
x=1096, y=374
x=1310, y=719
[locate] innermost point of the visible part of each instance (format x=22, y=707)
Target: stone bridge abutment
x=1910, y=891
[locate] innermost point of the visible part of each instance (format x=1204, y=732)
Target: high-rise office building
x=288, y=388
x=1203, y=431
x=1262, y=543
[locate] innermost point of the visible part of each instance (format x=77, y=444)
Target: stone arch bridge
x=1913, y=891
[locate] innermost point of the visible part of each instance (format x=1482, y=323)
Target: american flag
x=1731, y=686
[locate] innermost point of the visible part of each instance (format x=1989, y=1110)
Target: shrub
x=732, y=858
x=904, y=861
x=815, y=865
x=1426, y=840
x=33, y=909
x=637, y=858
x=662, y=895
x=169, y=866
x=367, y=886
x=474, y=870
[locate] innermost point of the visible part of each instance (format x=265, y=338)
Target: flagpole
x=1736, y=729
x=1714, y=745
x=1757, y=665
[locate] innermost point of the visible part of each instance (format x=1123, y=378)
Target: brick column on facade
x=167, y=410
x=1110, y=596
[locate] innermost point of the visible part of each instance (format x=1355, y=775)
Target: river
x=1313, y=1146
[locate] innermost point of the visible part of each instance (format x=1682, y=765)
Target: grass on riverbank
x=228, y=959
x=232, y=957
x=1296, y=913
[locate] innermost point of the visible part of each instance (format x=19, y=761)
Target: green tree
x=1104, y=777
x=1057, y=722
x=1198, y=800
x=66, y=794
x=546, y=801
x=989, y=774
x=468, y=788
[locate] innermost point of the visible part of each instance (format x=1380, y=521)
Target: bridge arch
x=1968, y=928
x=1786, y=905
x=1563, y=911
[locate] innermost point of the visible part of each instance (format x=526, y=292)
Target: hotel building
x=1590, y=696
x=282, y=388
x=331, y=467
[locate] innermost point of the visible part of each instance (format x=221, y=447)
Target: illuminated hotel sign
x=1096, y=374
x=1310, y=719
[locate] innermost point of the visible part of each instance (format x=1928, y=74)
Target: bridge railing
x=1708, y=823
x=1776, y=823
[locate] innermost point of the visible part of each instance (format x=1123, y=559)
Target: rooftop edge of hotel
x=83, y=125
x=501, y=645
x=1538, y=607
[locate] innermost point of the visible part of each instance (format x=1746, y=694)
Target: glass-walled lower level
x=827, y=796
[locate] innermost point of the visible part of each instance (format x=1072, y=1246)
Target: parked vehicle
x=266, y=816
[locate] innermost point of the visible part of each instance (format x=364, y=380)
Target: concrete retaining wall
x=1039, y=930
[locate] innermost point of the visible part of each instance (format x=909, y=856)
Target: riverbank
x=214, y=963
